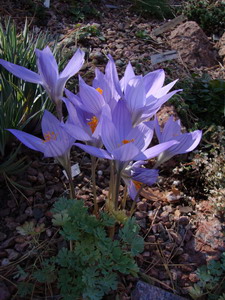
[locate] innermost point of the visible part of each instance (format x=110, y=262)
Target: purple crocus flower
x=144, y=95
x=86, y=111
x=122, y=141
x=56, y=143
x=186, y=142
x=48, y=75
x=134, y=175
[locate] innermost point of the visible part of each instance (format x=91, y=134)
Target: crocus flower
x=48, y=75
x=122, y=141
x=186, y=142
x=134, y=175
x=56, y=142
x=86, y=111
x=144, y=95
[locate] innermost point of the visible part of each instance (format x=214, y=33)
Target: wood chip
x=168, y=55
x=169, y=25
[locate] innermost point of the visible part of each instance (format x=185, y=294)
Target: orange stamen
x=48, y=136
x=127, y=141
x=137, y=184
x=99, y=90
x=93, y=123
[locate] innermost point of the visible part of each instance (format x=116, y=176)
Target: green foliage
x=90, y=269
x=156, y=8
x=209, y=14
x=88, y=31
x=82, y=8
x=204, y=98
x=211, y=280
x=21, y=103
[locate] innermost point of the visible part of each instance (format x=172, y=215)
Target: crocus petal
x=142, y=136
x=186, y=142
x=74, y=64
x=21, y=72
x=154, y=81
x=164, y=90
x=92, y=100
x=61, y=141
x=144, y=175
x=154, y=151
x=171, y=129
x=94, y=151
x=125, y=152
x=132, y=191
x=29, y=140
x=77, y=132
x=47, y=67
x=128, y=75
x=121, y=118
x=110, y=136
x=135, y=93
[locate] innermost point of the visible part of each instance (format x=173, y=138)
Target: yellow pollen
x=48, y=136
x=99, y=90
x=137, y=184
x=93, y=123
x=127, y=141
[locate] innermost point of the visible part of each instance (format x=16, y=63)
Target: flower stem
x=117, y=189
x=93, y=177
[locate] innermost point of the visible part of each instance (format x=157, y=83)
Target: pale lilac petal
x=132, y=190
x=135, y=93
x=144, y=175
x=112, y=77
x=47, y=67
x=128, y=75
x=158, y=130
x=121, y=118
x=92, y=100
x=29, y=140
x=110, y=136
x=154, y=81
x=164, y=90
x=21, y=72
x=76, y=132
x=142, y=136
x=171, y=129
x=94, y=151
x=125, y=152
x=61, y=141
x=154, y=151
x=74, y=65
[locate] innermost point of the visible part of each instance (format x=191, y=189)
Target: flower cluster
x=113, y=119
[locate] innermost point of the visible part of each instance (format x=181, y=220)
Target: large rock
x=221, y=47
x=145, y=291
x=193, y=45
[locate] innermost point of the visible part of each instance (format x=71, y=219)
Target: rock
x=12, y=254
x=4, y=292
x=32, y=171
x=2, y=236
x=8, y=243
x=221, y=47
x=145, y=291
x=193, y=45
x=40, y=178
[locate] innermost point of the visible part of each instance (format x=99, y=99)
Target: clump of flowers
x=114, y=119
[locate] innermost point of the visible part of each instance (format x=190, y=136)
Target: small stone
x=49, y=194
x=21, y=247
x=11, y=203
x=40, y=178
x=193, y=277
x=8, y=243
x=4, y=212
x=29, y=212
x=2, y=236
x=140, y=215
x=32, y=178
x=4, y=291
x=32, y=171
x=5, y=262
x=184, y=220
x=37, y=213
x=3, y=254
x=12, y=254
x=142, y=206
x=29, y=192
